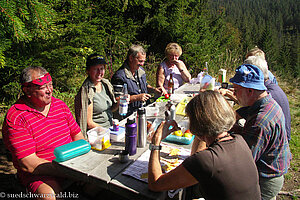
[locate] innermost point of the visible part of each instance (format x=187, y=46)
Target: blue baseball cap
x=249, y=76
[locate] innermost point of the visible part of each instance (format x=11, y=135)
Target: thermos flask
x=130, y=136
x=142, y=128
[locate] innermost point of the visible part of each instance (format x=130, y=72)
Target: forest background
x=60, y=34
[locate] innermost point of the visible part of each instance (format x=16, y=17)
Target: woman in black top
x=224, y=169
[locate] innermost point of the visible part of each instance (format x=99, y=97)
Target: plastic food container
x=180, y=108
x=162, y=99
x=151, y=111
x=184, y=125
x=71, y=150
x=178, y=139
x=176, y=98
x=207, y=83
x=117, y=136
x=99, y=138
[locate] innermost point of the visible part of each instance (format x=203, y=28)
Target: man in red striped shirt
x=34, y=126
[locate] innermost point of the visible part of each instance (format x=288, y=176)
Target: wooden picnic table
x=188, y=89
x=103, y=168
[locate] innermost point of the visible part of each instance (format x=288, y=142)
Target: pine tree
x=21, y=21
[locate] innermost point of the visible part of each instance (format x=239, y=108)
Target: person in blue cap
x=276, y=92
x=264, y=129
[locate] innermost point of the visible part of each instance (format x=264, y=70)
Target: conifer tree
x=22, y=21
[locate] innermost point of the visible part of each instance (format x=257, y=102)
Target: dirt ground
x=9, y=184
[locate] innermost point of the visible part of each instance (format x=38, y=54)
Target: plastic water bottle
x=170, y=113
x=123, y=106
x=205, y=70
x=173, y=112
x=130, y=136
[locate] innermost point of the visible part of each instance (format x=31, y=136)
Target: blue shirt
x=135, y=85
x=280, y=97
x=265, y=134
x=272, y=78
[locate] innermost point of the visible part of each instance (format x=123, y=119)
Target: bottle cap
x=141, y=111
x=130, y=120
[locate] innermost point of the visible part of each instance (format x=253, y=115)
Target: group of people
x=38, y=122
x=232, y=158
x=229, y=159
x=96, y=100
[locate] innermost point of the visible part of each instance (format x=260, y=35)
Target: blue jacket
x=280, y=97
x=124, y=75
x=272, y=78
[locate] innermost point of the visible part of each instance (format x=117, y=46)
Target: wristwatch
x=154, y=147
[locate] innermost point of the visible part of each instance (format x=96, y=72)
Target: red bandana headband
x=46, y=78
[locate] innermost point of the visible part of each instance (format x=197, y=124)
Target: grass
x=293, y=94
x=292, y=182
x=3, y=110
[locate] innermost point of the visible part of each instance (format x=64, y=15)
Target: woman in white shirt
x=172, y=65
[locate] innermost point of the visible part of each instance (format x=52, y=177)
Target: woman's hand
x=159, y=91
x=223, y=91
x=179, y=65
x=163, y=91
x=185, y=74
x=164, y=129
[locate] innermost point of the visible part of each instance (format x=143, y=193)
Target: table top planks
x=188, y=89
x=104, y=169
x=132, y=188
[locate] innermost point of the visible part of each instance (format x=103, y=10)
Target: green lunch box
x=71, y=150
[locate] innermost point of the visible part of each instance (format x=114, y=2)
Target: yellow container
x=99, y=138
x=180, y=108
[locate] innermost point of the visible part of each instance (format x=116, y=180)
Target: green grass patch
x=294, y=100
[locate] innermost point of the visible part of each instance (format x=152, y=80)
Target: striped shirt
x=27, y=131
x=266, y=136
